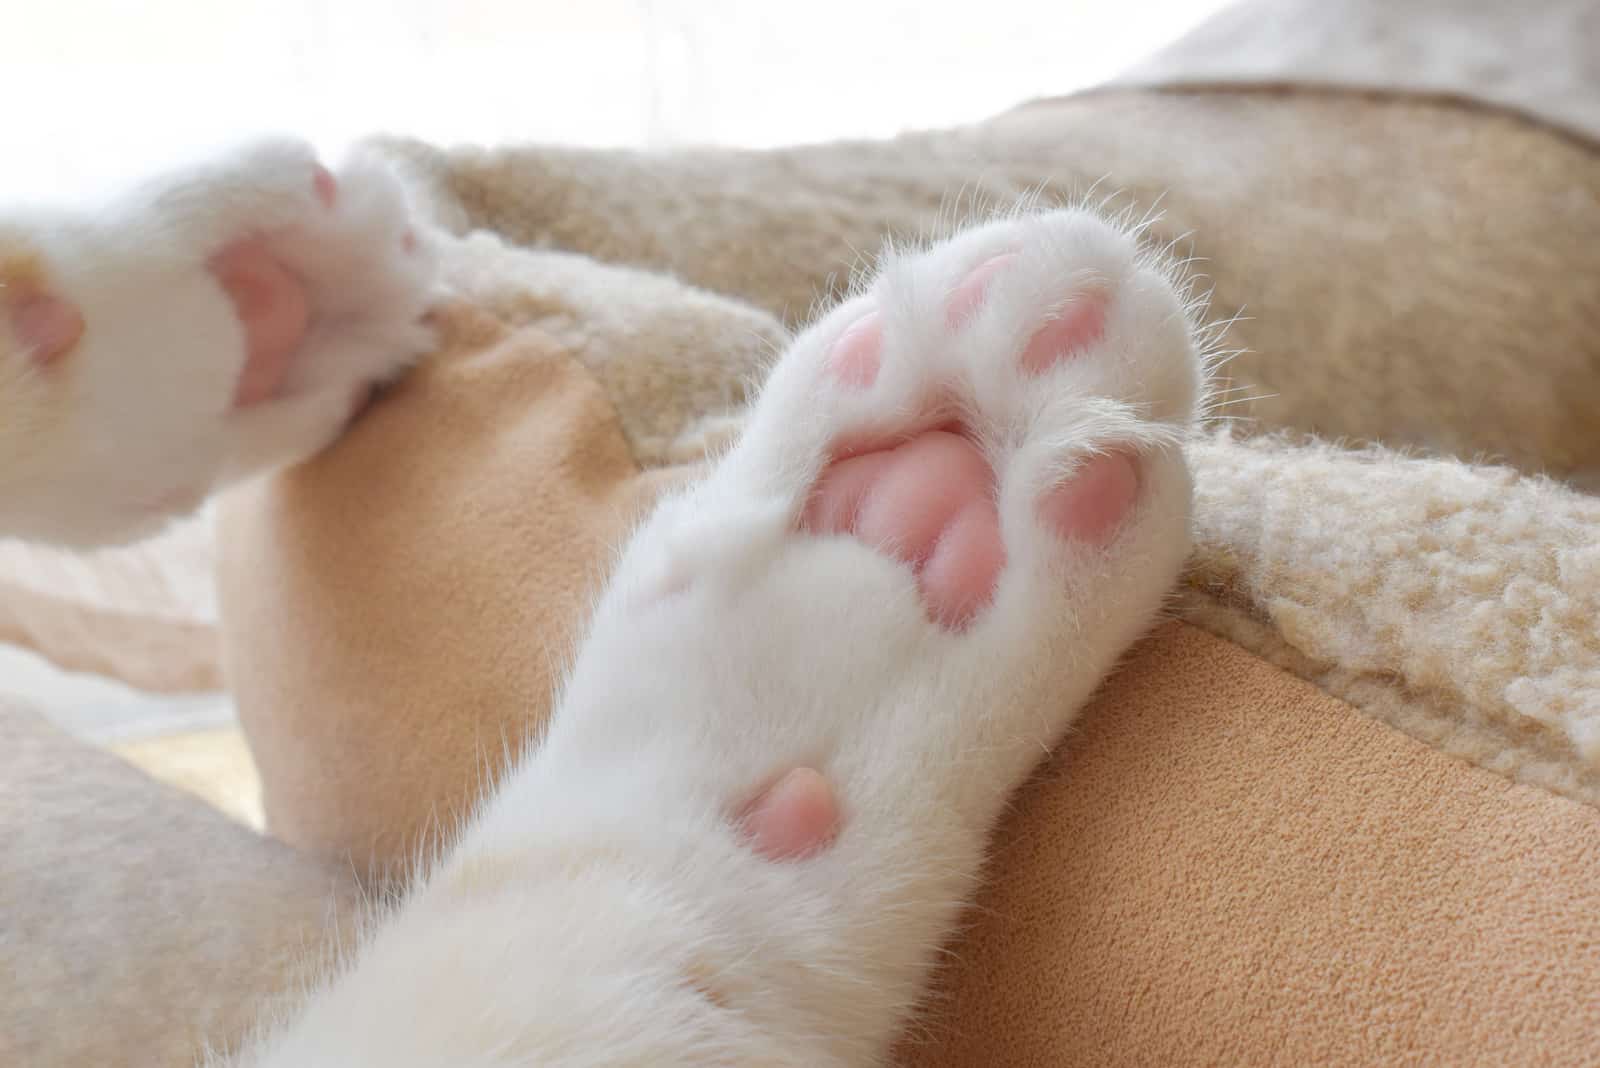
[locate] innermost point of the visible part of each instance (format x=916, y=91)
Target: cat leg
x=213, y=324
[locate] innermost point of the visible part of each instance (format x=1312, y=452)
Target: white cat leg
x=136, y=370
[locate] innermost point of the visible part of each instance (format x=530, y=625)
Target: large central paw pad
x=930, y=500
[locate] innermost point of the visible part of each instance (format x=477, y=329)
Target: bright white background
x=98, y=91
x=102, y=88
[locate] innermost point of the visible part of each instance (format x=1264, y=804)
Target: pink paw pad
x=1075, y=326
x=959, y=577
x=928, y=503
x=854, y=359
x=1091, y=504
x=274, y=309
x=974, y=288
x=326, y=186
x=796, y=817
x=46, y=327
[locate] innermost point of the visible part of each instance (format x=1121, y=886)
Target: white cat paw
x=820, y=673
x=969, y=447
x=212, y=324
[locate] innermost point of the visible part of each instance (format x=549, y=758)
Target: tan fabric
x=1348, y=867
x=1352, y=897
x=1226, y=866
x=396, y=611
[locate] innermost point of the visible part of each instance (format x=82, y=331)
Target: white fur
x=603, y=908
x=137, y=425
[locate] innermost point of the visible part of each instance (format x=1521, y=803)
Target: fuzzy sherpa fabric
x=1453, y=601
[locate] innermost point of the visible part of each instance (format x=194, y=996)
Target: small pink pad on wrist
x=795, y=817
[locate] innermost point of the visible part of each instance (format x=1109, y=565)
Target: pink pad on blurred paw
x=46, y=327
